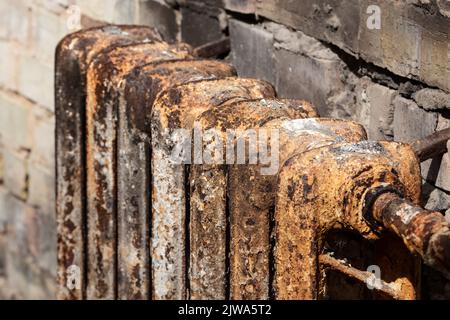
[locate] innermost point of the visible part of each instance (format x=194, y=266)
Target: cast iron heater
x=134, y=225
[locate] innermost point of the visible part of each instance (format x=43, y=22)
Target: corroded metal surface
x=252, y=199
x=208, y=194
x=133, y=170
x=324, y=189
x=73, y=56
x=362, y=276
x=397, y=268
x=251, y=195
x=177, y=108
x=424, y=232
x=148, y=227
x=104, y=82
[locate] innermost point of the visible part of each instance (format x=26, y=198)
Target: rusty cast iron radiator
x=134, y=225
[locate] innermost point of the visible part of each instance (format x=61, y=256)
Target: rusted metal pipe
x=384, y=287
x=432, y=145
x=323, y=190
x=213, y=49
x=424, y=232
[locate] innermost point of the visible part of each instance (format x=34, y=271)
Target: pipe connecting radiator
x=295, y=205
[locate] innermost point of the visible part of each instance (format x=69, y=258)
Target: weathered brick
x=161, y=16
x=247, y=7
x=437, y=171
x=443, y=178
x=56, y=6
x=378, y=115
x=434, y=198
x=399, y=42
x=35, y=80
x=412, y=122
x=15, y=115
x=201, y=23
x=3, y=241
x=113, y=11
x=299, y=66
x=48, y=28
x=2, y=165
x=41, y=191
x=46, y=241
x=413, y=40
x=15, y=210
x=306, y=69
x=443, y=122
x=432, y=99
x=31, y=254
x=3, y=213
x=16, y=174
x=8, y=65
x=43, y=138
x=26, y=280
x=319, y=81
x=15, y=23
x=252, y=50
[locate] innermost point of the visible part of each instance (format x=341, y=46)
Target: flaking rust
x=251, y=195
x=253, y=230
x=134, y=179
x=324, y=189
x=252, y=199
x=105, y=79
x=73, y=56
x=177, y=108
x=208, y=194
x=424, y=233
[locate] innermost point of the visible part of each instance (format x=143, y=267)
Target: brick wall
x=29, y=32
x=395, y=80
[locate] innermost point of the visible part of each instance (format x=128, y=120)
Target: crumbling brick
x=432, y=99
x=434, y=198
x=298, y=65
x=410, y=40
